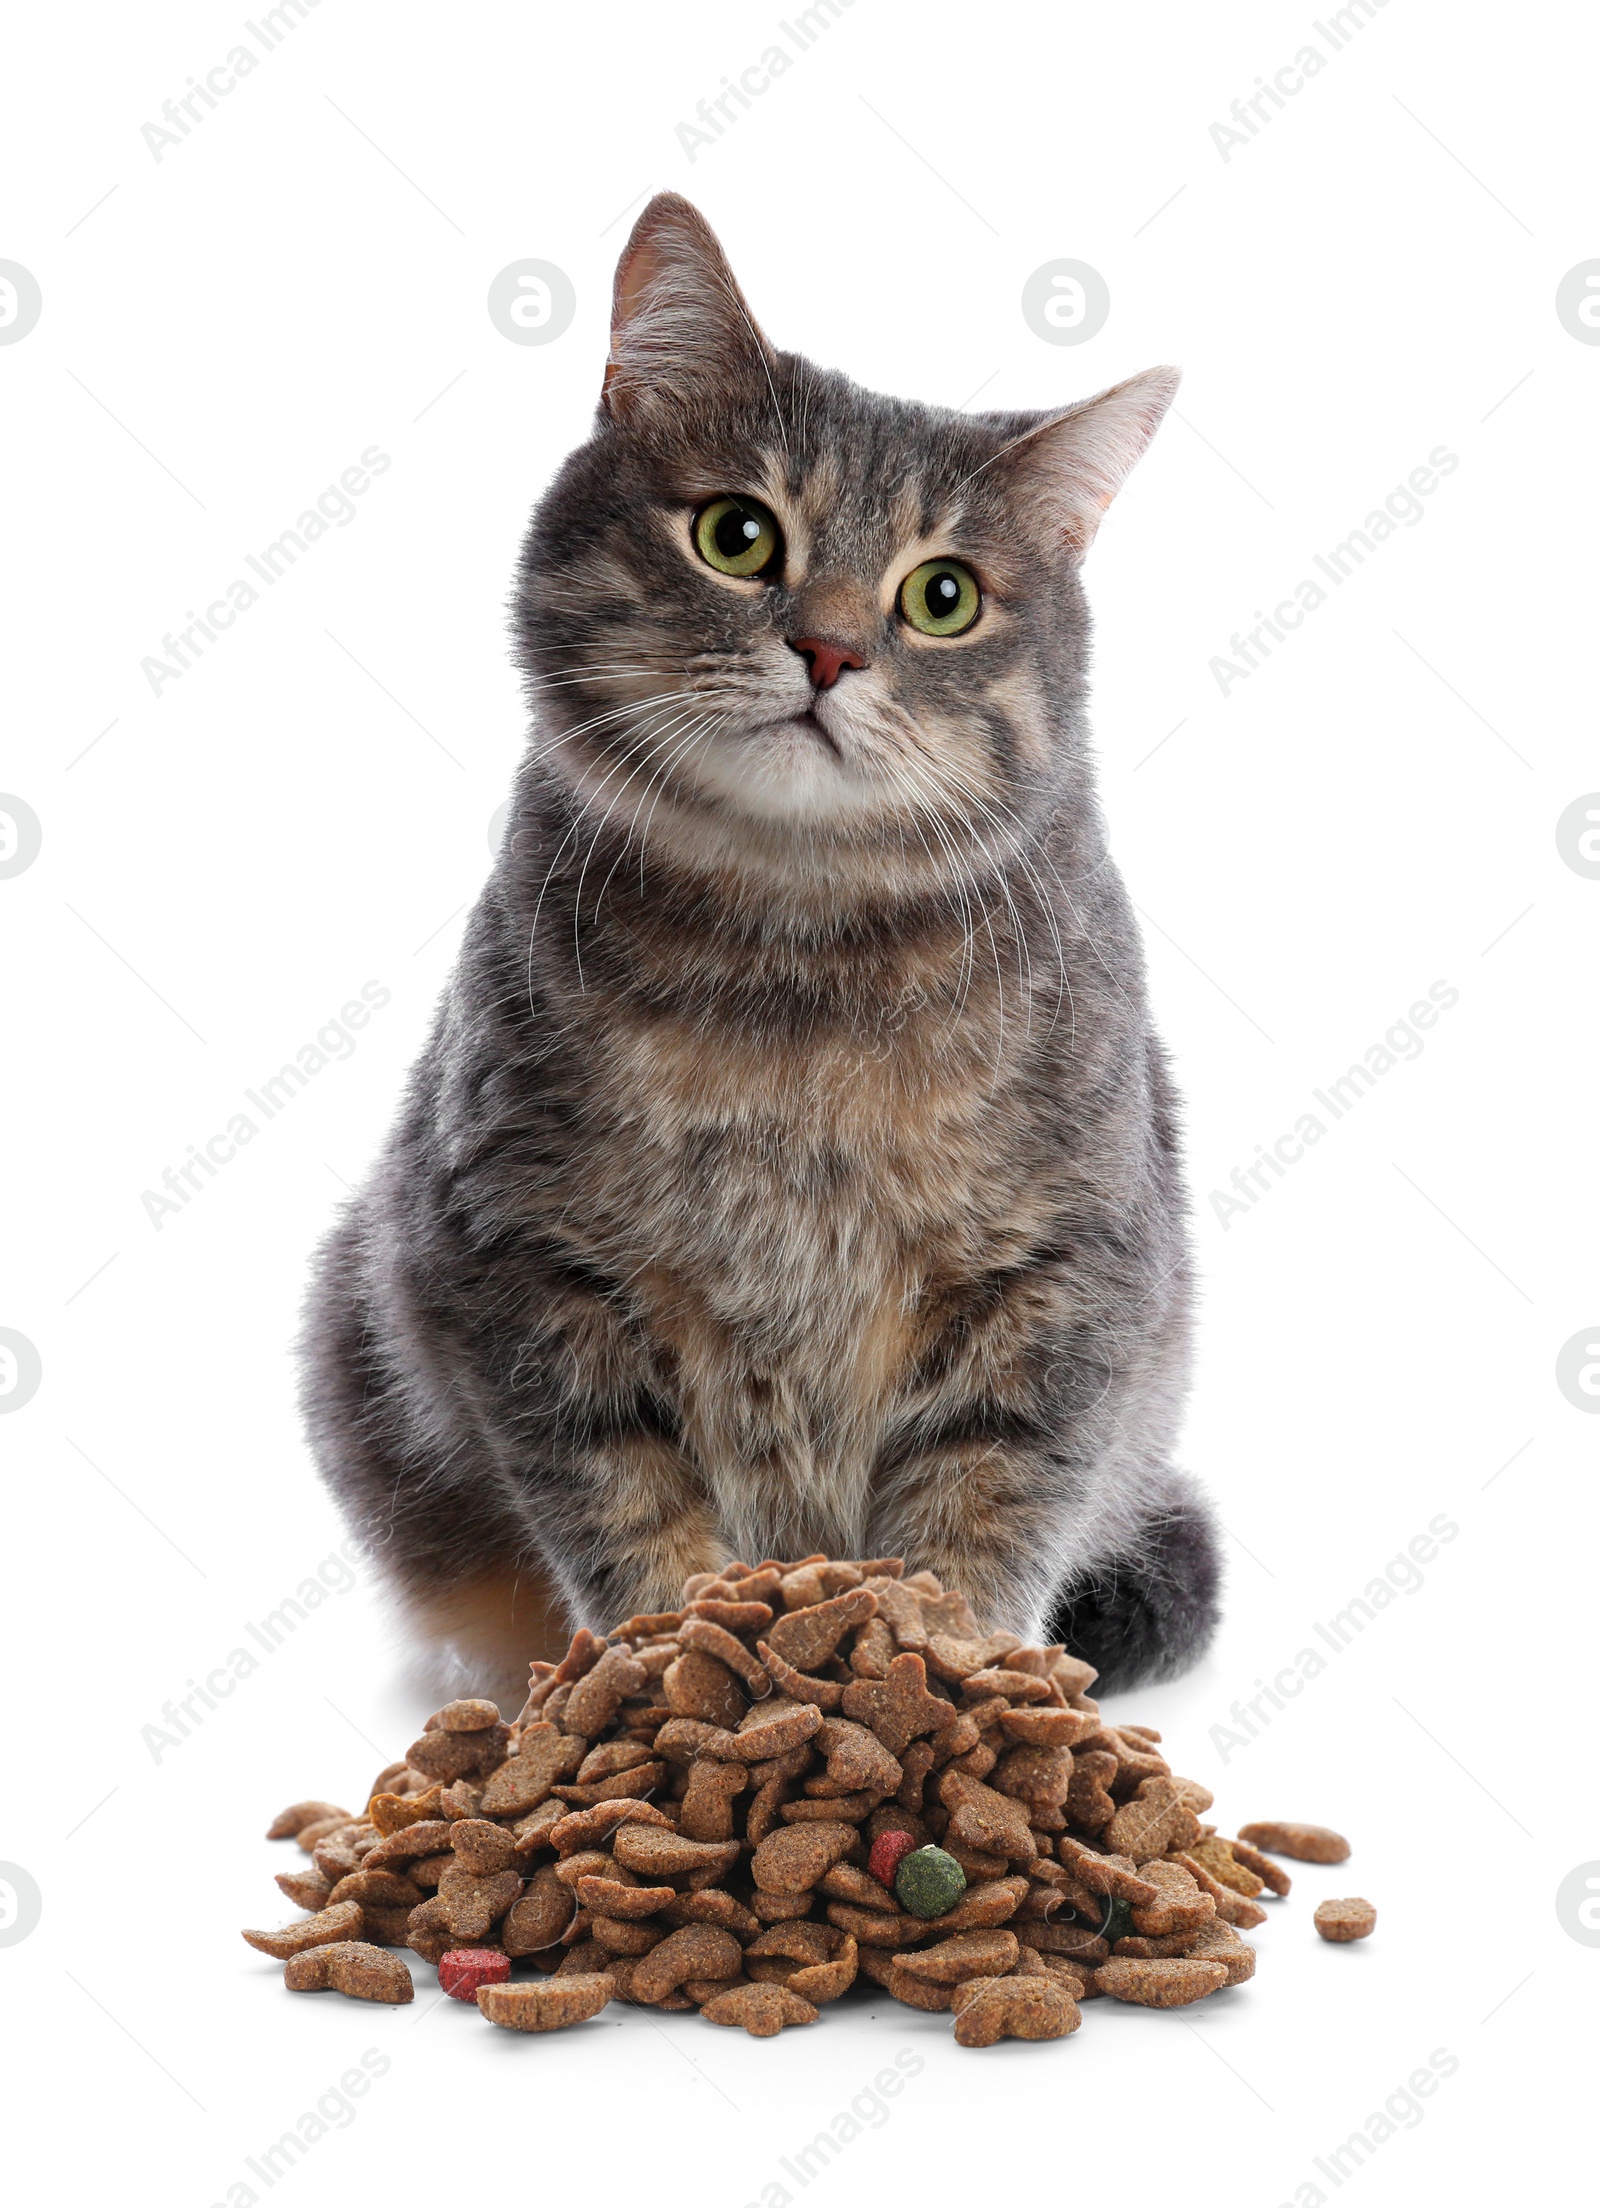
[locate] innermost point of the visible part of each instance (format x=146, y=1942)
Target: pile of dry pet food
x=809, y=1774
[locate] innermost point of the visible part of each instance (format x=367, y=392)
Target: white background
x=223, y=865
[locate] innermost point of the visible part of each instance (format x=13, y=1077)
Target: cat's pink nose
x=825, y=658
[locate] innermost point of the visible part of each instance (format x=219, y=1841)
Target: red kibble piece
x=464, y=1969
x=887, y=1851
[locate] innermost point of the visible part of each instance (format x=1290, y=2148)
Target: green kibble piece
x=1118, y=1921
x=929, y=1882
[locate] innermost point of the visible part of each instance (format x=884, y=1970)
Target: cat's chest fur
x=795, y=1215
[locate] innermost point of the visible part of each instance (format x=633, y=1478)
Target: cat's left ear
x=1071, y=467
x=678, y=318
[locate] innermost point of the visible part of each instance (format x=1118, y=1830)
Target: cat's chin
x=790, y=770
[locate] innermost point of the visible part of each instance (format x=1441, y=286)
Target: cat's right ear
x=678, y=318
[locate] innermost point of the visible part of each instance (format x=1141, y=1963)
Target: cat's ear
x=678, y=318
x=1072, y=466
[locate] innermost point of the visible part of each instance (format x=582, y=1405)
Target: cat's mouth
x=813, y=727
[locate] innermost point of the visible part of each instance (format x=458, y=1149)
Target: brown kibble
x=1344, y=1920
x=991, y=1902
x=966, y=1955
x=586, y=1828
x=427, y=1934
x=1305, y=1843
x=791, y=1860
x=819, y=1982
x=772, y=1728
x=351, y=1967
x=1271, y=1875
x=808, y=1637
x=393, y=1812
x=706, y=1810
x=340, y=1921
x=471, y=1716
x=481, y=1846
x=542, y=1916
x=899, y=1707
x=694, y=1951
x=876, y=1927
x=380, y=1889
x=546, y=2005
x=1042, y=1728
x=763, y=2011
x=992, y=2009
x=1114, y=1875
x=856, y=1757
x=1218, y=1857
x=1233, y=1908
x=311, y=1836
x=291, y=1822
x=599, y=1694
x=915, y=1992
x=707, y=1639
x=1156, y=1822
x=448, y=1757
x=1179, y=1906
x=712, y=1906
x=1217, y=1942
x=1089, y=1802
x=472, y=1903
x=409, y=1843
x=545, y=1756
x=1161, y=1984
x=733, y=1617
x=981, y=1818
x=306, y=1889
x=662, y=1854
x=697, y=1685
x=607, y=1897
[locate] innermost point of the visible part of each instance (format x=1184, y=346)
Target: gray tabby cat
x=793, y=1164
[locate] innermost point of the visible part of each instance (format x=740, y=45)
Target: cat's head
x=770, y=617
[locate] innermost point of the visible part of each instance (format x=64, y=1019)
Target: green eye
x=941, y=598
x=736, y=536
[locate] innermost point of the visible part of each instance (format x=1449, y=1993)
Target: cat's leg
x=636, y=1521
x=990, y=1519
x=1147, y=1608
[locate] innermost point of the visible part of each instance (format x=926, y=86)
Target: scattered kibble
x=1344, y=1920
